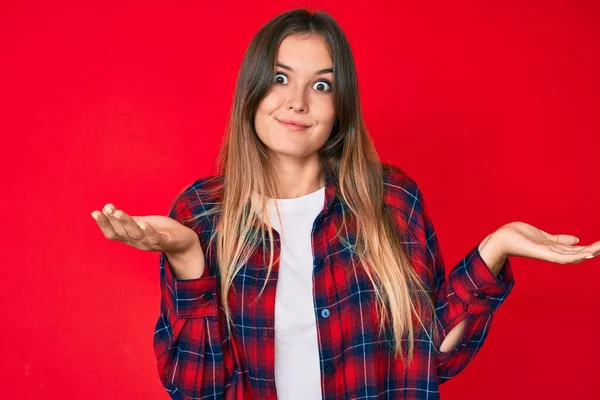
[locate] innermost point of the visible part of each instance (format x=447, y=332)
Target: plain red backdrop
x=493, y=107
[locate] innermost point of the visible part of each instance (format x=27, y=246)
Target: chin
x=296, y=153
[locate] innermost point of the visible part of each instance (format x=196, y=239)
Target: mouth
x=293, y=126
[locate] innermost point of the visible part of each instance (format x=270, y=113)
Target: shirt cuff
x=476, y=286
x=190, y=298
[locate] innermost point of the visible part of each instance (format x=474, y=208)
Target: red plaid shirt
x=197, y=359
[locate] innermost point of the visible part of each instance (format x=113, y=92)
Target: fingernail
x=95, y=217
x=577, y=240
x=143, y=226
x=116, y=216
x=588, y=257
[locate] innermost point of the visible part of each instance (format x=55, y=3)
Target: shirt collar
x=331, y=190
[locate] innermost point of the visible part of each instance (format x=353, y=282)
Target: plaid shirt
x=197, y=359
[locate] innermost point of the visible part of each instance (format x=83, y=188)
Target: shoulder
x=404, y=200
x=400, y=190
x=202, y=189
x=204, y=183
x=197, y=200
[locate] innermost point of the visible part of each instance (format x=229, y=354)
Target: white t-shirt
x=297, y=369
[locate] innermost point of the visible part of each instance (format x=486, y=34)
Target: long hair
x=348, y=155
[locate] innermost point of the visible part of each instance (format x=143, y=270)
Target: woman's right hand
x=152, y=233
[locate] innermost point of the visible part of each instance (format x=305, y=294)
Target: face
x=302, y=93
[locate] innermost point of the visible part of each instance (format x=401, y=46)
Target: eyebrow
x=320, y=72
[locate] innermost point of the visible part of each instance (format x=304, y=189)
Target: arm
x=493, y=258
x=188, y=342
x=466, y=301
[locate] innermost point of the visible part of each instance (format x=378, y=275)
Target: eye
x=322, y=85
x=279, y=81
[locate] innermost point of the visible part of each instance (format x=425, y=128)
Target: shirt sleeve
x=188, y=341
x=470, y=293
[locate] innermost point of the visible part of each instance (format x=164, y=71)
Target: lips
x=293, y=124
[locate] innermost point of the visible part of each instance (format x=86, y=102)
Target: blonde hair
x=349, y=155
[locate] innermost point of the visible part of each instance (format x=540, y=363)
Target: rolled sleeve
x=473, y=282
x=189, y=298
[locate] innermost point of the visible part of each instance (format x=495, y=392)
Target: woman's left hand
x=524, y=240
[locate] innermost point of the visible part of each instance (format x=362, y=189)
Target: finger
x=552, y=254
x=592, y=249
x=563, y=248
x=108, y=210
x=129, y=224
x=105, y=225
x=562, y=258
x=563, y=238
x=152, y=234
x=595, y=246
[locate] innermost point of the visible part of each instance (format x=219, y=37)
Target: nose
x=297, y=100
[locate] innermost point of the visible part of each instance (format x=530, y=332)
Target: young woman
x=307, y=268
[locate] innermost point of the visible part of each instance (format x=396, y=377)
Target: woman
x=307, y=268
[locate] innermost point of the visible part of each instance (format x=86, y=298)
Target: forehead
x=305, y=52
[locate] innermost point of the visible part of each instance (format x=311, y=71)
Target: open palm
x=525, y=240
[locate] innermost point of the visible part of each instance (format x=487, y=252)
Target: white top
x=297, y=370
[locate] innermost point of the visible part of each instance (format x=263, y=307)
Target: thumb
x=563, y=238
x=152, y=234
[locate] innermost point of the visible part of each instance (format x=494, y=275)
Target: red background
x=493, y=107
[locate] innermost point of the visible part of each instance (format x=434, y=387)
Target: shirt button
x=325, y=313
x=207, y=295
x=330, y=370
x=320, y=263
x=481, y=295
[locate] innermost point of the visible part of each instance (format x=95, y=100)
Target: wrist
x=492, y=252
x=188, y=264
x=186, y=255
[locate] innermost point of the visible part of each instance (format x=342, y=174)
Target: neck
x=295, y=179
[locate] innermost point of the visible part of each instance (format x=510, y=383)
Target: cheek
x=326, y=117
x=325, y=110
x=264, y=114
x=268, y=105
